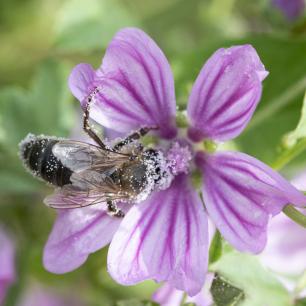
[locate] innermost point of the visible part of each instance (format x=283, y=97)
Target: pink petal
x=7, y=264
x=292, y=9
x=299, y=181
x=37, y=295
x=77, y=233
x=225, y=94
x=81, y=81
x=204, y=298
x=135, y=82
x=240, y=194
x=279, y=248
x=167, y=295
x=164, y=238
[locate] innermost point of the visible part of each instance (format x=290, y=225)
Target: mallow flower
x=165, y=237
x=167, y=295
x=7, y=263
x=38, y=295
x=275, y=255
x=292, y=9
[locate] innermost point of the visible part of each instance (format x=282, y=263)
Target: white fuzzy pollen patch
x=158, y=174
x=179, y=158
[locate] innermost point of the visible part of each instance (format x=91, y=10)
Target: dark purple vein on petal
x=215, y=201
x=236, y=214
x=143, y=63
x=118, y=108
x=173, y=212
x=131, y=89
x=205, y=98
x=145, y=231
x=66, y=241
x=234, y=186
x=235, y=96
x=242, y=116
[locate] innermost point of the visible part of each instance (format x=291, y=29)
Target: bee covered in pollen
x=86, y=174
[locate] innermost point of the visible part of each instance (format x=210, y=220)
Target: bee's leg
x=132, y=137
x=113, y=210
x=86, y=125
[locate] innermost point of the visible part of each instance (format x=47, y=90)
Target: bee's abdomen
x=36, y=152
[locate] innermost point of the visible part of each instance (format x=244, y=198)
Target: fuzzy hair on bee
x=86, y=174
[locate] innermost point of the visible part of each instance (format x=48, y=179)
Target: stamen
x=179, y=158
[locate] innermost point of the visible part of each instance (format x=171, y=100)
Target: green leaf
x=51, y=99
x=215, y=250
x=224, y=293
x=301, y=302
x=300, y=131
x=259, y=286
x=301, y=283
x=88, y=25
x=44, y=109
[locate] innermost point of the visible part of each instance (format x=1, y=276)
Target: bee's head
x=158, y=171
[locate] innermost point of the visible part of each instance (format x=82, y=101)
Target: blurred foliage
x=42, y=40
x=245, y=272
x=301, y=302
x=215, y=248
x=299, y=132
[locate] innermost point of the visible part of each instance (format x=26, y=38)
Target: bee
x=87, y=174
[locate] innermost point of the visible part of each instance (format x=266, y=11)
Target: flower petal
x=225, y=94
x=38, y=295
x=135, y=83
x=204, y=298
x=81, y=81
x=167, y=295
x=77, y=233
x=240, y=193
x=278, y=250
x=164, y=238
x=7, y=265
x=292, y=9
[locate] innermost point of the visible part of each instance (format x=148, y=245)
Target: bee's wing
x=90, y=181
x=88, y=188
x=78, y=156
x=64, y=199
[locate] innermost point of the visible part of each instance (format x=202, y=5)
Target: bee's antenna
x=86, y=125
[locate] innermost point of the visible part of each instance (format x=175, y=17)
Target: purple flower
x=292, y=9
x=278, y=249
x=7, y=264
x=37, y=295
x=167, y=295
x=165, y=237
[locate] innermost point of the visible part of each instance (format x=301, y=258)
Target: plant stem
x=295, y=215
x=289, y=155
